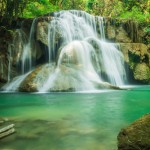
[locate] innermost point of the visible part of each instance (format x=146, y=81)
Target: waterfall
x=2, y=68
x=9, y=62
x=77, y=45
x=70, y=26
x=82, y=44
x=22, y=54
x=113, y=63
x=19, y=42
x=101, y=27
x=15, y=83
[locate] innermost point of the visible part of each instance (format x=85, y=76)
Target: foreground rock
x=136, y=136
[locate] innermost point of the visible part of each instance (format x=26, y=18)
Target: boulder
x=66, y=79
x=63, y=78
x=136, y=136
x=36, y=78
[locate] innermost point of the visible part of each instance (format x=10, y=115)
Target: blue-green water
x=71, y=121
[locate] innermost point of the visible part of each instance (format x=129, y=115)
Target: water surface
x=71, y=121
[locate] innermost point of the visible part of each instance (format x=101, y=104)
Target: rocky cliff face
x=134, y=43
x=9, y=52
x=131, y=38
x=5, y=51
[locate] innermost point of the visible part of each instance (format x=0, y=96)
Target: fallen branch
x=8, y=132
x=6, y=128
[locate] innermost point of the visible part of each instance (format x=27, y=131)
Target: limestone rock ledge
x=137, y=57
x=136, y=136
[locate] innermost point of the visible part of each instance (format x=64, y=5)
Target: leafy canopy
x=138, y=10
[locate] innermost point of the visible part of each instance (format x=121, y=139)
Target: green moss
x=136, y=136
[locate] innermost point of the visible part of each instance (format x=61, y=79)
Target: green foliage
x=72, y=4
x=34, y=8
x=37, y=8
x=95, y=7
x=137, y=10
x=134, y=14
x=147, y=29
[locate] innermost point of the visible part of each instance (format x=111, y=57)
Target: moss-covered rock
x=133, y=50
x=122, y=30
x=36, y=78
x=136, y=136
x=122, y=36
x=137, y=56
x=142, y=72
x=42, y=32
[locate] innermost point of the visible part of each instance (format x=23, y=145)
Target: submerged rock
x=136, y=136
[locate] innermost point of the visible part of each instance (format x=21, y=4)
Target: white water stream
x=15, y=83
x=82, y=45
x=26, y=58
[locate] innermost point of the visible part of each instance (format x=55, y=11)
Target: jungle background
x=138, y=10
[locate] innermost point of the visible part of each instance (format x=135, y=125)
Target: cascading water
x=9, y=62
x=22, y=54
x=84, y=59
x=70, y=25
x=26, y=58
x=80, y=41
x=1, y=67
x=14, y=85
